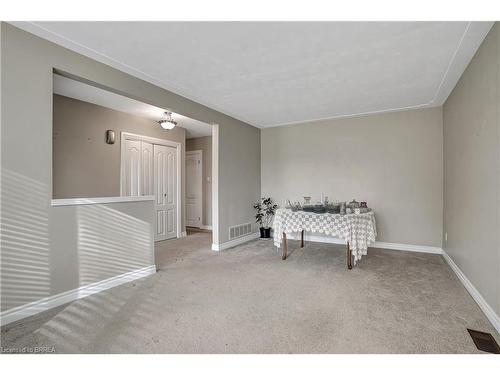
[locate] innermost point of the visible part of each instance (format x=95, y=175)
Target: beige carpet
x=246, y=300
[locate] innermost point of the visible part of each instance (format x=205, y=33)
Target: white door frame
x=137, y=137
x=199, y=152
x=215, y=187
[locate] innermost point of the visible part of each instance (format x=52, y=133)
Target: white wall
x=393, y=161
x=471, y=171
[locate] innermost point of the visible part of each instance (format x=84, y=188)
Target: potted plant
x=265, y=211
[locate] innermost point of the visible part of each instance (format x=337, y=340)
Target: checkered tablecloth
x=359, y=229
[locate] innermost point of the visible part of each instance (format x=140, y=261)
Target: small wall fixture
x=110, y=137
x=167, y=122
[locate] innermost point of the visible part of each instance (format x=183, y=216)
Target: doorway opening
x=199, y=170
x=110, y=148
x=194, y=189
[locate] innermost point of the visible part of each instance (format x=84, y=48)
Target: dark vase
x=265, y=232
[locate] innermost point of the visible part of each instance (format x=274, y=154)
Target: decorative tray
x=316, y=208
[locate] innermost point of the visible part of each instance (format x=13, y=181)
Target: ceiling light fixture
x=167, y=122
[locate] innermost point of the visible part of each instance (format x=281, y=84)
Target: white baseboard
x=487, y=310
x=206, y=227
x=235, y=242
x=406, y=247
x=47, y=303
x=376, y=244
x=183, y=234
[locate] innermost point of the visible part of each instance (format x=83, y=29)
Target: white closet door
x=147, y=169
x=194, y=189
x=165, y=191
x=131, y=178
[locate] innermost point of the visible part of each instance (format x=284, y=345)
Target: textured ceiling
x=277, y=73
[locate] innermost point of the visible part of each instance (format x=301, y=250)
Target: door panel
x=165, y=191
x=131, y=181
x=170, y=199
x=159, y=223
x=194, y=189
x=150, y=169
x=170, y=220
x=147, y=168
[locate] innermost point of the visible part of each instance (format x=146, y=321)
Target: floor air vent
x=484, y=341
x=240, y=230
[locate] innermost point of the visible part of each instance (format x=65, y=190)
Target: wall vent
x=240, y=230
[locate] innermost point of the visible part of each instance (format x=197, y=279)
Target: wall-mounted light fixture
x=110, y=137
x=167, y=122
